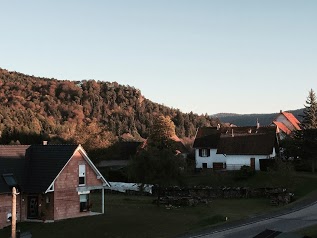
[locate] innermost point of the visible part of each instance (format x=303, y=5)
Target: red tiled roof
x=282, y=127
x=292, y=119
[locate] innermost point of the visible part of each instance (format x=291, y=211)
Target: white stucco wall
x=213, y=158
x=233, y=162
x=282, y=118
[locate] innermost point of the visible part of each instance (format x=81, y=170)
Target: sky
x=205, y=56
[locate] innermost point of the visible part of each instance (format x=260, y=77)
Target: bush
x=245, y=172
x=302, y=165
x=282, y=175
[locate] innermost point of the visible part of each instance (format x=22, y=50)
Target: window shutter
x=200, y=152
x=208, y=152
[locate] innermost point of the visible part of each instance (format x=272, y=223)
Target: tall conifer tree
x=310, y=112
x=309, y=125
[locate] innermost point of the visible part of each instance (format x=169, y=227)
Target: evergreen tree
x=310, y=112
x=305, y=138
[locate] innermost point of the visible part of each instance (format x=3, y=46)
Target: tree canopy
x=158, y=161
x=94, y=113
x=161, y=132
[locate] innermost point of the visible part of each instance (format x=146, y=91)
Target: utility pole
x=14, y=213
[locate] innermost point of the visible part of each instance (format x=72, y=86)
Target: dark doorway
x=33, y=209
x=252, y=163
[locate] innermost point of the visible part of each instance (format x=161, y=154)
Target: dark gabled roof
x=45, y=164
x=247, y=144
x=207, y=137
x=242, y=130
x=34, y=167
x=12, y=161
x=178, y=144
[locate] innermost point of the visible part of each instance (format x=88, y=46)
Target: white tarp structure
x=124, y=187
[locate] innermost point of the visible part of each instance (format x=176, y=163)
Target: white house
x=286, y=123
x=230, y=148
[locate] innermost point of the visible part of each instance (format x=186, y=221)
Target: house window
x=10, y=180
x=204, y=152
x=82, y=174
x=84, y=202
x=9, y=217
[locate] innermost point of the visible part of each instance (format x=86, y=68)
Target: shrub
x=282, y=175
x=245, y=172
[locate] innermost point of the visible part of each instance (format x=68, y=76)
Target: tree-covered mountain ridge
x=95, y=113
x=264, y=119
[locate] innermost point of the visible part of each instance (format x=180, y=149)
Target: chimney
x=218, y=126
x=250, y=131
x=257, y=123
x=44, y=142
x=281, y=111
x=232, y=135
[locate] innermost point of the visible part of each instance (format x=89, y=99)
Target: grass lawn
x=301, y=183
x=309, y=231
x=136, y=216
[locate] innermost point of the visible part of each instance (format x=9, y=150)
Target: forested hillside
x=92, y=113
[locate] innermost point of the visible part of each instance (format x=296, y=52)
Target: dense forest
x=93, y=113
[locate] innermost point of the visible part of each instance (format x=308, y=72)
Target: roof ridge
x=14, y=145
x=56, y=144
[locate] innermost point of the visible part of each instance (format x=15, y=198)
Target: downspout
x=20, y=206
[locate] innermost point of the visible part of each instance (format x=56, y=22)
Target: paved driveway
x=289, y=222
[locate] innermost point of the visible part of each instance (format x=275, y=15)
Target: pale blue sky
x=202, y=56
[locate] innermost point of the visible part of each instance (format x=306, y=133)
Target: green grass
x=136, y=216
x=309, y=231
x=300, y=183
x=305, y=183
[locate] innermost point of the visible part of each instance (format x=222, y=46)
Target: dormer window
x=10, y=180
x=82, y=175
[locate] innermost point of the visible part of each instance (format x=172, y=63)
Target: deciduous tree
x=158, y=162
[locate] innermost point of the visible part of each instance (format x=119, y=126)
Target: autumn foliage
x=93, y=113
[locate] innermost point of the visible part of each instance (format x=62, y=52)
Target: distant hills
x=250, y=119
